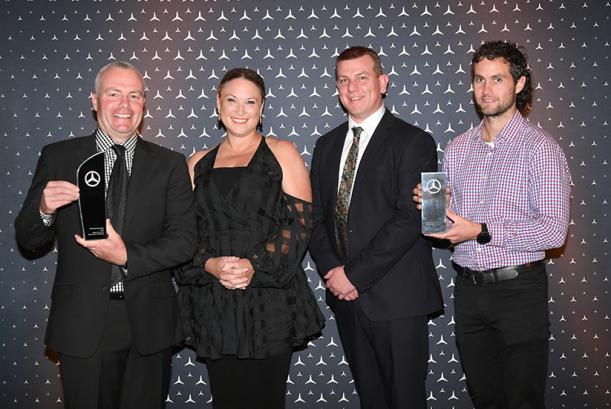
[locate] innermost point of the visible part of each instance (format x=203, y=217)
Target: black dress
x=256, y=220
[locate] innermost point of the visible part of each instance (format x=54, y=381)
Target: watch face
x=483, y=238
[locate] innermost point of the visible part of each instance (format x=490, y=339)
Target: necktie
x=116, y=198
x=343, y=194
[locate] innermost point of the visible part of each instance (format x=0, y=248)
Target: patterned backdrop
x=51, y=49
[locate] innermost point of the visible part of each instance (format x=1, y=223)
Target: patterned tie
x=343, y=194
x=116, y=199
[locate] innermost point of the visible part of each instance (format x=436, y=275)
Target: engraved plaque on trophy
x=433, y=202
x=92, y=201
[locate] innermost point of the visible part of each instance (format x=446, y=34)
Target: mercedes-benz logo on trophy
x=92, y=202
x=92, y=178
x=433, y=202
x=433, y=186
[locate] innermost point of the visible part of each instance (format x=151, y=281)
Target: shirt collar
x=508, y=131
x=104, y=142
x=370, y=123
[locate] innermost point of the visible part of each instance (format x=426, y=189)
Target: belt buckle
x=473, y=275
x=482, y=277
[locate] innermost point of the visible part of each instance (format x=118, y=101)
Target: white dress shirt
x=369, y=126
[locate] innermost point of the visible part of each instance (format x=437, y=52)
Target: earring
x=219, y=121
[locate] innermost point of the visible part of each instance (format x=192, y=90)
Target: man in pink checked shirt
x=509, y=202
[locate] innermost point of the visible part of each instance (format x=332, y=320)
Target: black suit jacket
x=388, y=261
x=159, y=232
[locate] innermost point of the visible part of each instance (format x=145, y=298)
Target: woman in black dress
x=245, y=300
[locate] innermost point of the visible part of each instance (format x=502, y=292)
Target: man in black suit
x=366, y=241
x=114, y=338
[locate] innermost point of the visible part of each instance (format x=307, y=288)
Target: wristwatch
x=484, y=236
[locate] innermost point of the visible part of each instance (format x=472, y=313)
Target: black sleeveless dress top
x=245, y=213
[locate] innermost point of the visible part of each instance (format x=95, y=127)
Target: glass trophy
x=433, y=202
x=92, y=201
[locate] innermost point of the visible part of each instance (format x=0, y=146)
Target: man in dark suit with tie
x=113, y=316
x=366, y=241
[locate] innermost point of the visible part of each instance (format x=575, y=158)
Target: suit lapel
x=85, y=149
x=370, y=156
x=82, y=150
x=331, y=167
x=143, y=161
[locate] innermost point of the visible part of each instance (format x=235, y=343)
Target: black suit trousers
x=116, y=376
x=388, y=359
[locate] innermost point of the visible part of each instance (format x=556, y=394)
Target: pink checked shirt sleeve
x=520, y=187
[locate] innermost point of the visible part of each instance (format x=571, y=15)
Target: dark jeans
x=502, y=331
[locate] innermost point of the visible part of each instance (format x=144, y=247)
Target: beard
x=494, y=111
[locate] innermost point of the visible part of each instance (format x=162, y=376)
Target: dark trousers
x=388, y=359
x=249, y=383
x=502, y=331
x=116, y=376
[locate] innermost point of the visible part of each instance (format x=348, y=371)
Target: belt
x=116, y=295
x=495, y=274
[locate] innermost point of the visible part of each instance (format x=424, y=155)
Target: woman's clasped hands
x=232, y=272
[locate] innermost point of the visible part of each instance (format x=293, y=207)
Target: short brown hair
x=358, y=51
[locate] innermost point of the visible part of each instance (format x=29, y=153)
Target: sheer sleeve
x=193, y=272
x=277, y=260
